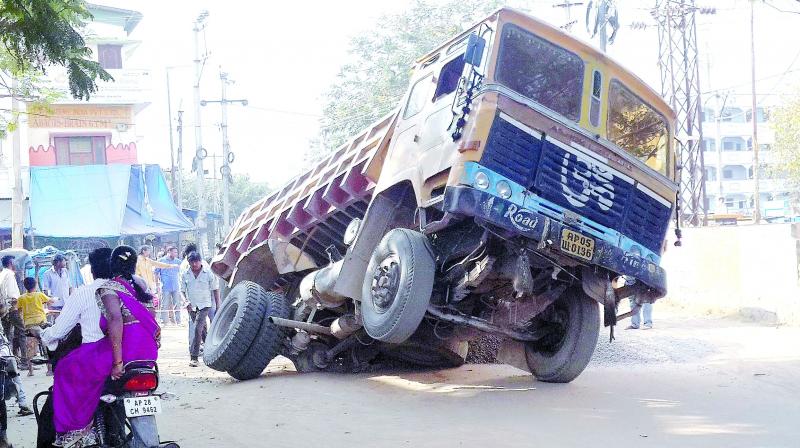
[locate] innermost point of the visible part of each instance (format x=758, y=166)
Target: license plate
x=141, y=406
x=576, y=244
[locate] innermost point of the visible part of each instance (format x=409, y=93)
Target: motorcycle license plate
x=576, y=244
x=141, y=406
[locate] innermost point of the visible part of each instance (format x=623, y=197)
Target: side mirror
x=474, y=53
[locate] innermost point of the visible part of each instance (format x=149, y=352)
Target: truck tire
x=235, y=327
x=267, y=343
x=562, y=356
x=397, y=286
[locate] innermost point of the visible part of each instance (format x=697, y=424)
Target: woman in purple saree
x=132, y=334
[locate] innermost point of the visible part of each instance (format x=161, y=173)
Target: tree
x=243, y=193
x=372, y=83
x=786, y=123
x=37, y=34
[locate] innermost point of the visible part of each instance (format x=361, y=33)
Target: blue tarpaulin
x=102, y=201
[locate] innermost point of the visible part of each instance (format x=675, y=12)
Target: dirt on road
x=688, y=382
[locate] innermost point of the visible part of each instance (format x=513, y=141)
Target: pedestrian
x=170, y=287
x=31, y=307
x=201, y=289
x=645, y=309
x=55, y=282
x=9, y=293
x=13, y=327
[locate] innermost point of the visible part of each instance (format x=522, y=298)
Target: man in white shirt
x=55, y=282
x=81, y=307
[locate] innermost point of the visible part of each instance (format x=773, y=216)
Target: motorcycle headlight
x=482, y=180
x=504, y=189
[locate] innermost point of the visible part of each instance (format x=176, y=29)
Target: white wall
x=726, y=269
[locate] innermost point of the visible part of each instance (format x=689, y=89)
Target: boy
x=31, y=306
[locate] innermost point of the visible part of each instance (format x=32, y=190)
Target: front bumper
x=485, y=207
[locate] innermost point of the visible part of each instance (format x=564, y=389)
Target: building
x=102, y=130
x=81, y=173
x=728, y=158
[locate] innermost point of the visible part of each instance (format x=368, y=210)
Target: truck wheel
x=267, y=343
x=562, y=355
x=397, y=286
x=235, y=327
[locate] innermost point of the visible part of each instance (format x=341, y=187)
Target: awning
x=102, y=201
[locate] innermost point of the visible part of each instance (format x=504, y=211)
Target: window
x=418, y=97
x=541, y=71
x=734, y=172
x=761, y=114
x=733, y=144
x=732, y=115
x=711, y=173
x=707, y=115
x=448, y=78
x=727, y=173
x=709, y=144
x=80, y=150
x=109, y=56
x=594, y=105
x=638, y=129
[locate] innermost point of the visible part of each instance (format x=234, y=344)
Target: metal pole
x=17, y=214
x=225, y=169
x=200, y=222
x=756, y=189
x=171, y=143
x=179, y=184
x=602, y=12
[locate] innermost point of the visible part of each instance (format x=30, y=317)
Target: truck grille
x=576, y=181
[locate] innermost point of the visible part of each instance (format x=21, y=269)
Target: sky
x=283, y=55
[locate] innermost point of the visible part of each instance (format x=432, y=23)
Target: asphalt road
x=688, y=382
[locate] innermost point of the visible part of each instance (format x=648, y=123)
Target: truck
x=521, y=178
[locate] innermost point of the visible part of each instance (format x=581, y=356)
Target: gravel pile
x=484, y=349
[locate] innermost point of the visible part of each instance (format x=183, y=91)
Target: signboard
x=88, y=116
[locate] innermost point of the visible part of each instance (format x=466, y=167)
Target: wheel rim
x=385, y=283
x=223, y=323
x=555, y=320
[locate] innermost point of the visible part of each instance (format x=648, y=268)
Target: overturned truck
x=523, y=175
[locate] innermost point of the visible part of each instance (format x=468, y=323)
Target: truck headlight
x=504, y=189
x=351, y=231
x=482, y=180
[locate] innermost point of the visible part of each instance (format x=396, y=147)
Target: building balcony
x=748, y=186
x=130, y=86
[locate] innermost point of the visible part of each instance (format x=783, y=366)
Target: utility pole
x=227, y=155
x=17, y=214
x=567, y=5
x=179, y=185
x=754, y=115
x=171, y=143
x=605, y=14
x=199, y=155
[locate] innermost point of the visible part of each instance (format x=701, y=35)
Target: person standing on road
x=170, y=287
x=55, y=282
x=201, y=288
x=31, y=307
x=13, y=326
x=146, y=269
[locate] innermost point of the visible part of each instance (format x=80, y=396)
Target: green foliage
x=37, y=34
x=372, y=83
x=242, y=194
x=786, y=123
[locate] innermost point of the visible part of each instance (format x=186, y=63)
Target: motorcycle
x=126, y=413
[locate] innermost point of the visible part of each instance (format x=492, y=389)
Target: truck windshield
x=638, y=129
x=541, y=71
